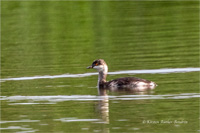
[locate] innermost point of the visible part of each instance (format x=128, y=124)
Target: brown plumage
x=126, y=82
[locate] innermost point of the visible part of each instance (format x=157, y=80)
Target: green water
x=64, y=37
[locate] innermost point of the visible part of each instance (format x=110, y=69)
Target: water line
x=151, y=71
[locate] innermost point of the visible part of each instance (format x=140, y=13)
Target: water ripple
x=153, y=71
x=16, y=121
x=15, y=100
x=75, y=120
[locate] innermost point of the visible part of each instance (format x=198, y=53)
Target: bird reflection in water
x=103, y=103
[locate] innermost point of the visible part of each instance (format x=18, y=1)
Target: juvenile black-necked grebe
x=126, y=82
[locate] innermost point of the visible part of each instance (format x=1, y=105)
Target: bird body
x=125, y=82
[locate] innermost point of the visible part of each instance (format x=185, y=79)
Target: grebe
x=126, y=82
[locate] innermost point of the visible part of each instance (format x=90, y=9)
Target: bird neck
x=102, y=76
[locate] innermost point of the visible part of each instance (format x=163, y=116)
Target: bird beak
x=89, y=67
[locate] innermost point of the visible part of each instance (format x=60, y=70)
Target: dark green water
x=62, y=38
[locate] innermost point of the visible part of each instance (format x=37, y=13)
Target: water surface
x=47, y=45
